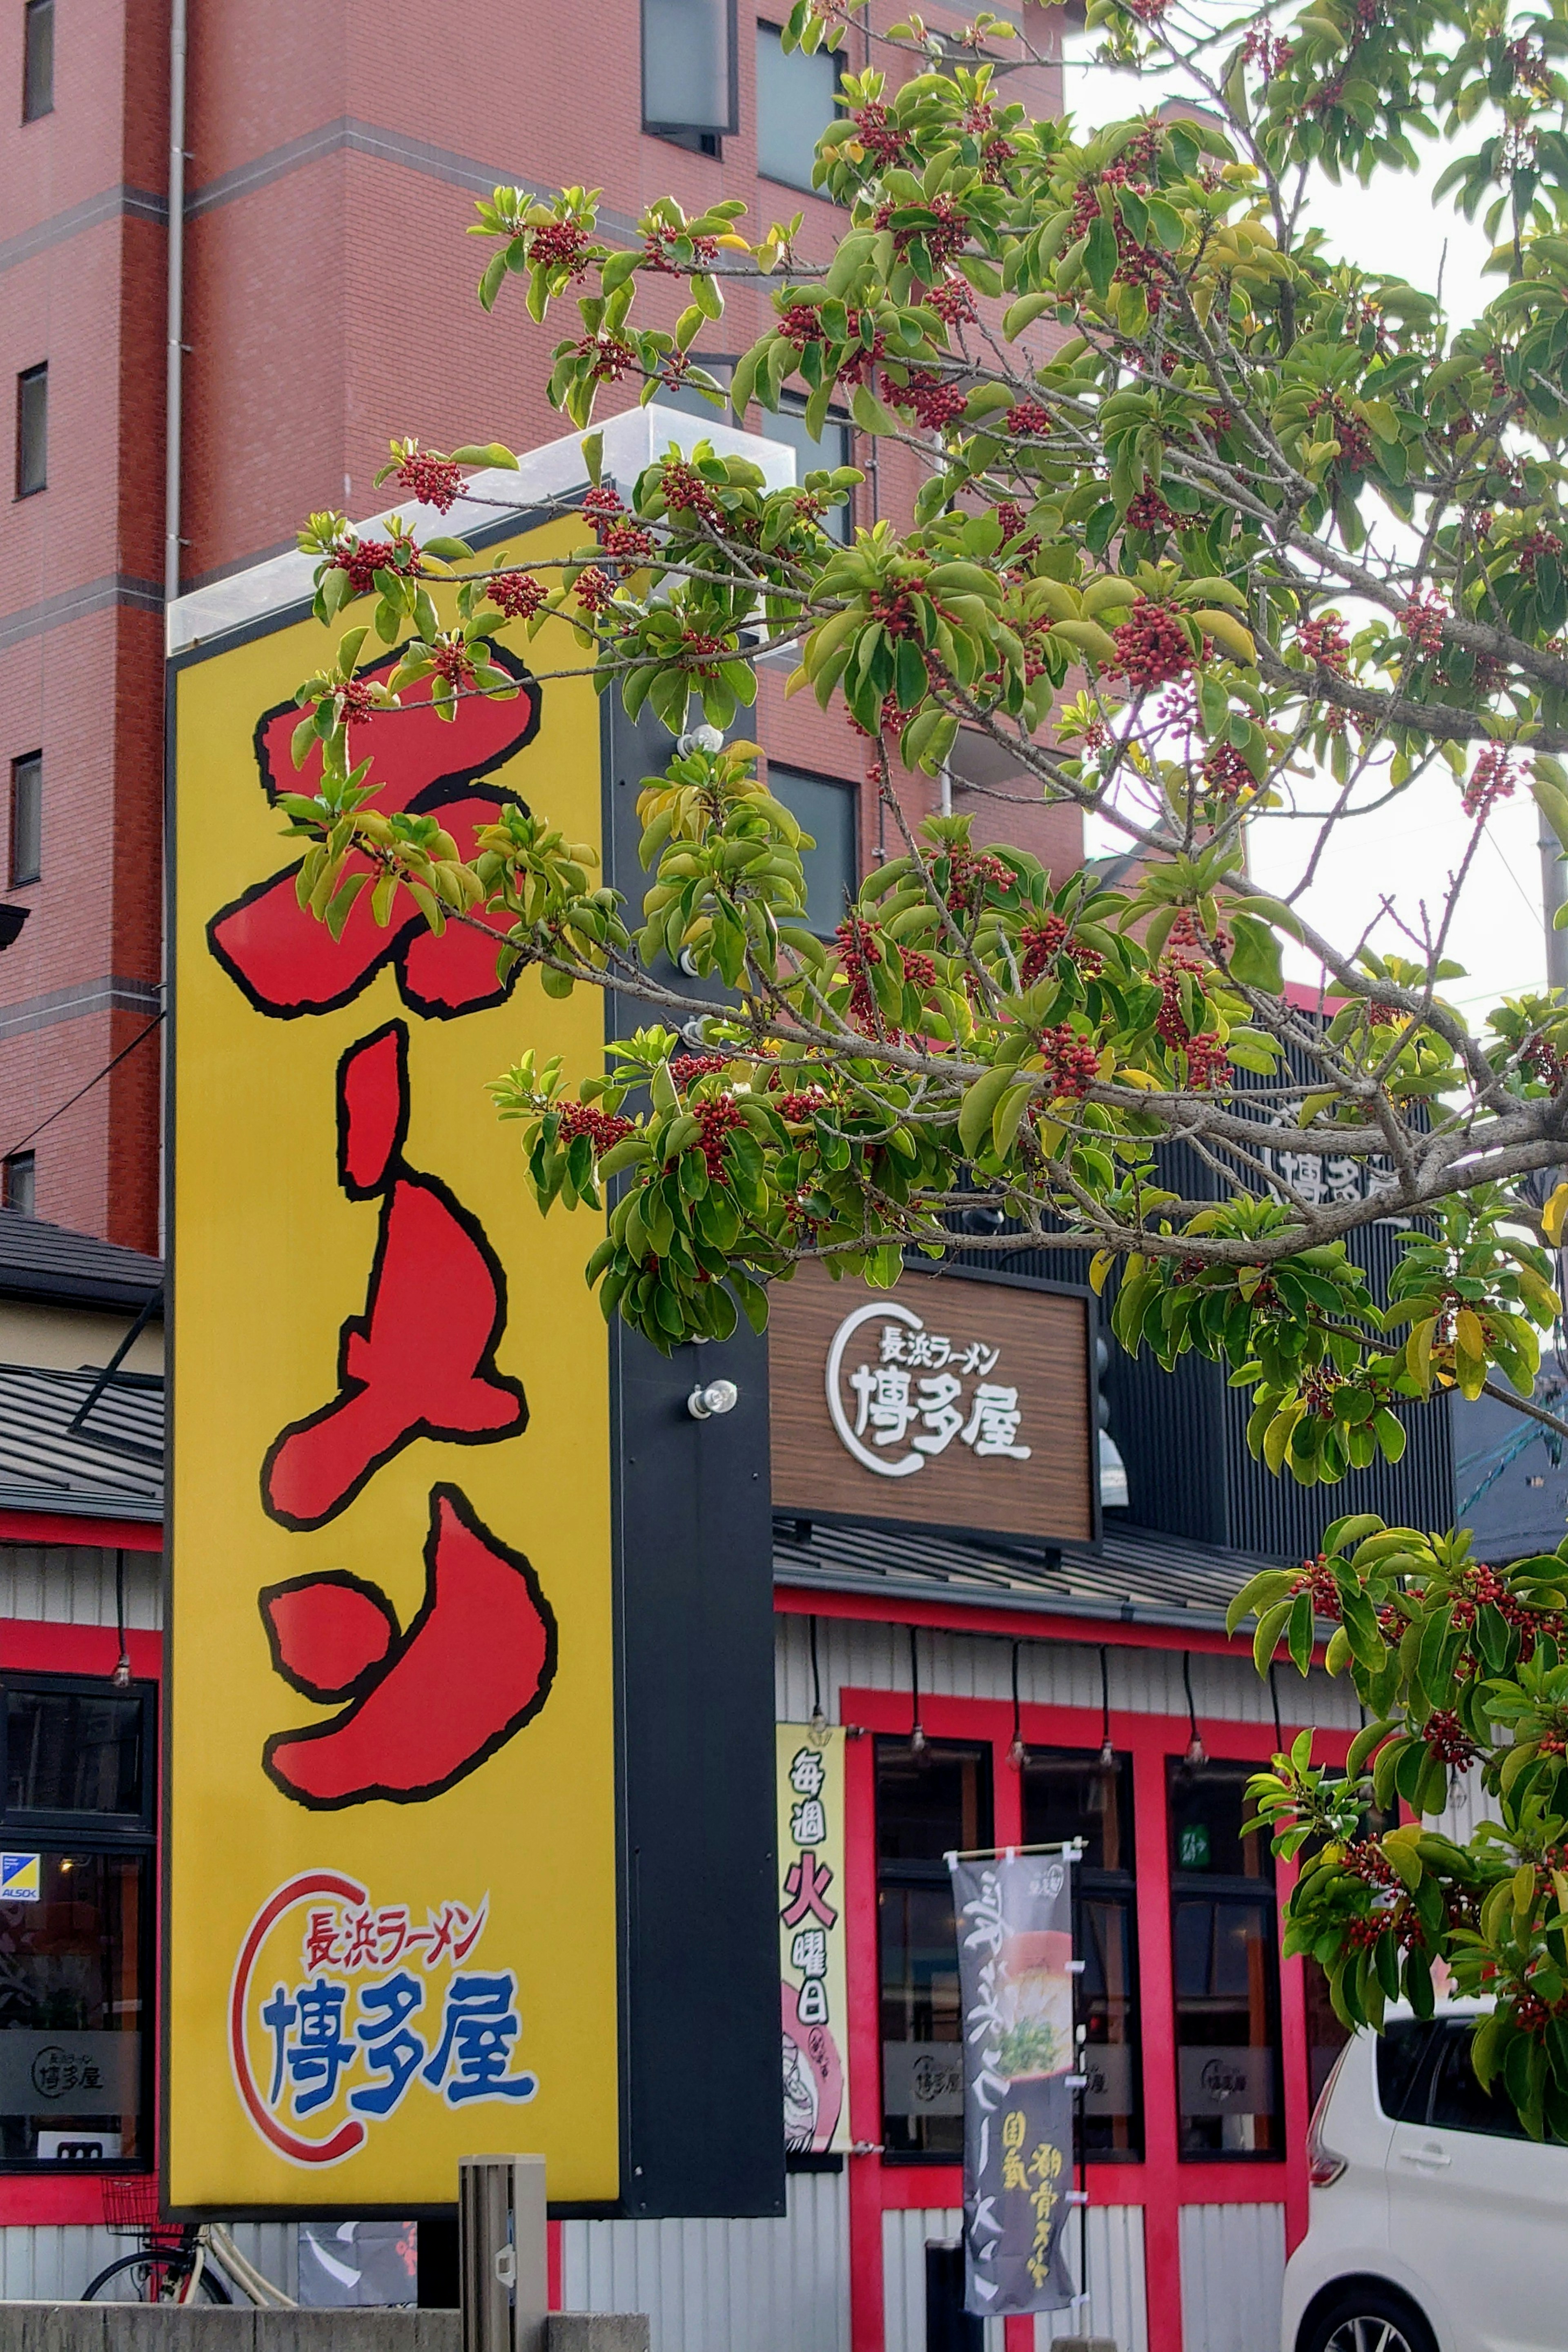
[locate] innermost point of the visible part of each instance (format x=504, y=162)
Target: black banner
x=1015, y=1944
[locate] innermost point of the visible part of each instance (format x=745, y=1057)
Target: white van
x=1437, y=2224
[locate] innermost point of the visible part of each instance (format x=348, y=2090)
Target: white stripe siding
x=1233, y=2273
x=1118, y=2300
x=866, y=1655
x=52, y=2262
x=905, y=2236
x=724, y=2286
x=73, y=1584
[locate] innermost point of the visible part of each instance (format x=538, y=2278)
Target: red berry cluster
x=1317, y=1578
x=452, y=658
x=1208, y=1063
x=1366, y=1860
x=808, y=507
x=1226, y=774
x=857, y=367
x=686, y=492
x=433, y=481
x=1028, y=417
x=944, y=233
x=1152, y=648
x=859, y=950
x=518, y=594
x=1318, y=1387
x=1448, y=1740
x=560, y=245
x=1262, y=51
x=356, y=702
x=800, y=1107
x=718, y=1116
x=1147, y=510
x=1071, y=1062
x=362, y=559
x=1044, y=940
x=1361, y=1934
x=699, y=647
x=685, y=1068
x=1545, y=1063
x=994, y=158
x=1170, y=1021
x=1422, y=621
x=800, y=325
x=610, y=358
x=919, y=968
x=936, y=403
x=951, y=300
x=1012, y=518
x=595, y=590
x=1325, y=643
x=1529, y=67
x=603, y=1128
x=1534, y=546
x=895, y=608
x=657, y=249
x=879, y=135
x=1354, y=440
x=969, y=873
x=1533, y=2015
x=1491, y=780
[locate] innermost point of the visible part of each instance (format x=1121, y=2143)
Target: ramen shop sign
x=956, y=1402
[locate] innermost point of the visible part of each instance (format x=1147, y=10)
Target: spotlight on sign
x=718, y=1396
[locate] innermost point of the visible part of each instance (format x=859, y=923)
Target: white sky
x=1408, y=851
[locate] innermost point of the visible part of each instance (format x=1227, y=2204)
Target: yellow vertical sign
x=812, y=1938
x=391, y=1873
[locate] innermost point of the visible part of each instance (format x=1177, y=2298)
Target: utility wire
x=141, y=1037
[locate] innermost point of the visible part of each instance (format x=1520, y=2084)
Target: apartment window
x=690, y=82
x=37, y=59
x=832, y=446
x=75, y=1924
x=1070, y=1793
x=796, y=99
x=32, y=430
x=930, y=1803
x=1227, y=1968
x=19, y=1183
x=26, y=818
x=828, y=811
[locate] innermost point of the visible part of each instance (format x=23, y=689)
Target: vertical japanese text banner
x=391, y=1849
x=1015, y=1986
x=811, y=1938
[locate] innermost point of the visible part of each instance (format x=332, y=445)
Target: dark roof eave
x=1027, y=1604
x=45, y=1286
x=72, y=1502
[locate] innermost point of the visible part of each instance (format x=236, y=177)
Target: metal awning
x=108, y=1466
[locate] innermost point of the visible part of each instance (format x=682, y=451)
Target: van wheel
x=1370, y=2318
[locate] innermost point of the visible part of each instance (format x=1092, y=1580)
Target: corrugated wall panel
x=73, y=1584
x=724, y=2286
x=875, y=1656
x=1118, y=2298
x=51, y=2263
x=1233, y=2271
x=905, y=2236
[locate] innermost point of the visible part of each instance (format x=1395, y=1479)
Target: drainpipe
x=176, y=302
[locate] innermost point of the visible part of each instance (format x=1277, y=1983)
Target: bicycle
x=175, y=2262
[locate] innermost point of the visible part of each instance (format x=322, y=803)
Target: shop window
x=930, y=1803
x=796, y=99
x=75, y=1924
x=32, y=431
x=828, y=810
x=37, y=59
x=689, y=88
x=1226, y=1966
x=26, y=818
x=1070, y=1794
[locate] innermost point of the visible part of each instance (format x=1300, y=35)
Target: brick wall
x=335, y=149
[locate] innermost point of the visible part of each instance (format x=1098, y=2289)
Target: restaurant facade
x=986, y=1562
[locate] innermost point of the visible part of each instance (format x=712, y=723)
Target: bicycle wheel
x=144, y=2264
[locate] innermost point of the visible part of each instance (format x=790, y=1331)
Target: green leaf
x=1255, y=955
x=1100, y=255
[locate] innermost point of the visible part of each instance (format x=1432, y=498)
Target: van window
x=1401, y=2075
x=1459, y=2102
